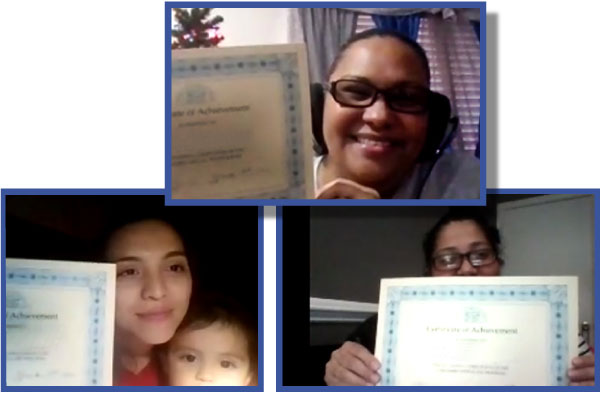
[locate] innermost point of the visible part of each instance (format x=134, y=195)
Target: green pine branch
x=194, y=23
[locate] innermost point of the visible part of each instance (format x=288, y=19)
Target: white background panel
x=82, y=106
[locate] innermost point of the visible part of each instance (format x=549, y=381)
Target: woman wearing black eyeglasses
x=460, y=244
x=376, y=122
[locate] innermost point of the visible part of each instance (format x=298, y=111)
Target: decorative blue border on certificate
x=596, y=388
x=124, y=192
x=95, y=283
x=312, y=202
x=286, y=65
x=554, y=295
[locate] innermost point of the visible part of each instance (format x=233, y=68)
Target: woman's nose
x=466, y=269
x=378, y=114
x=154, y=287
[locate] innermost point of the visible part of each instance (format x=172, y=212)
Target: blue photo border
x=596, y=388
x=125, y=192
x=312, y=202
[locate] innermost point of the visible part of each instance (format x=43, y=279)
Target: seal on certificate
x=195, y=95
x=475, y=315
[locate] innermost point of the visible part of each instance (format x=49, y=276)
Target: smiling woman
x=154, y=286
x=381, y=127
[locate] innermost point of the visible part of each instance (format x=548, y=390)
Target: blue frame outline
x=124, y=192
x=596, y=388
x=312, y=202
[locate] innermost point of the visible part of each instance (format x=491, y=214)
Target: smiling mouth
x=376, y=142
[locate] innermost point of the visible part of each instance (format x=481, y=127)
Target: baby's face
x=213, y=356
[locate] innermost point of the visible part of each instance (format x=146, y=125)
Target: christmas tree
x=195, y=28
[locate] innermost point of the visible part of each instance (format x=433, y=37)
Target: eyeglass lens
x=407, y=98
x=477, y=258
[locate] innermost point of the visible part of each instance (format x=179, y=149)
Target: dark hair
x=115, y=226
x=382, y=33
x=461, y=214
x=212, y=308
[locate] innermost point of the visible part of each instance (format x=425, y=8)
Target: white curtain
x=324, y=30
x=295, y=34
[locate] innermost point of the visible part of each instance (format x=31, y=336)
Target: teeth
x=371, y=142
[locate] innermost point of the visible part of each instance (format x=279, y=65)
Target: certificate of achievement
x=240, y=123
x=477, y=331
x=59, y=323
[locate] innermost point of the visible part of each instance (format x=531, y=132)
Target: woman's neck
x=131, y=354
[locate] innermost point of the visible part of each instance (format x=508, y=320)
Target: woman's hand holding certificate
x=352, y=365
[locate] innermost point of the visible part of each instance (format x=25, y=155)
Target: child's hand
x=346, y=189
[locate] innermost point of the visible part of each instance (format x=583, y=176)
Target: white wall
x=551, y=235
x=252, y=26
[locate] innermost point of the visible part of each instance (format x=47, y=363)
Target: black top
x=365, y=334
